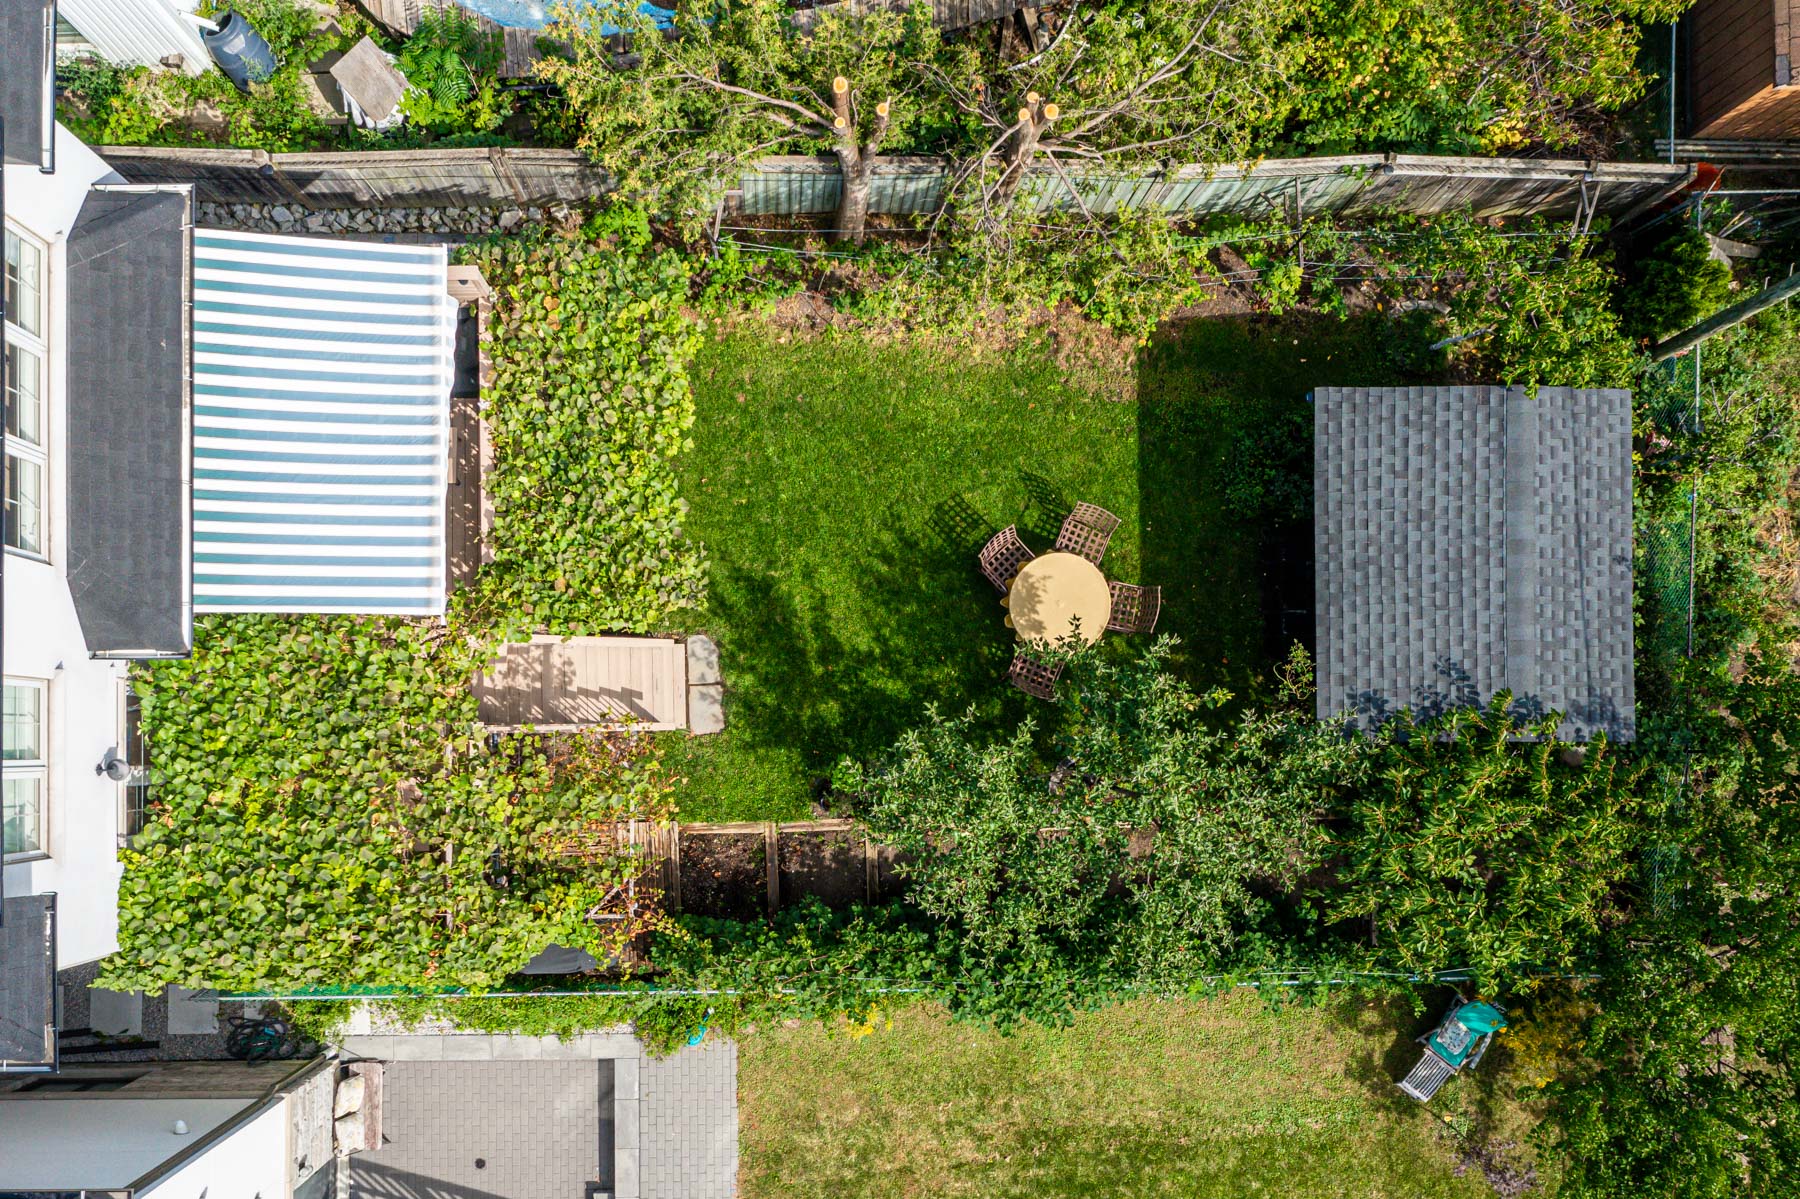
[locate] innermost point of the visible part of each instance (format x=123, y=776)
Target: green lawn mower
x=1453, y=1046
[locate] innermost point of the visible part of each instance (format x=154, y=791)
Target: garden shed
x=322, y=380
x=1471, y=540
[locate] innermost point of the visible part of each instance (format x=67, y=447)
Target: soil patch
x=724, y=875
x=828, y=865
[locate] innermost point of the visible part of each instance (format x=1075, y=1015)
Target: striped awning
x=322, y=373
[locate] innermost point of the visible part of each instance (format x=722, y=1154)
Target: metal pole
x=1737, y=314
x=1671, y=93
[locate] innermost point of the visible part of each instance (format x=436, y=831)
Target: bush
x=1677, y=284
x=589, y=407
x=451, y=67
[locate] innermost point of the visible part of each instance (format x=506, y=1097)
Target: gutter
x=255, y=1110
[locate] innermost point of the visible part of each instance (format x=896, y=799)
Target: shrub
x=588, y=407
x=1677, y=284
x=451, y=68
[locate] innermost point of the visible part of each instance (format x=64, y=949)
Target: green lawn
x=1218, y=1098
x=842, y=489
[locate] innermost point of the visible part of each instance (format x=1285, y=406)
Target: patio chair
x=1134, y=608
x=1085, y=531
x=1034, y=677
x=1002, y=557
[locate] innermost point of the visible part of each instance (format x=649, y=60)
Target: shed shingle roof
x=1473, y=540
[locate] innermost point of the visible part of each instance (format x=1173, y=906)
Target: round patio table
x=1057, y=594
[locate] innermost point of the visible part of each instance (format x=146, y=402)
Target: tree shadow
x=808, y=679
x=1237, y=577
x=1390, y=1026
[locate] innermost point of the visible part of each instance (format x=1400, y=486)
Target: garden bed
x=724, y=875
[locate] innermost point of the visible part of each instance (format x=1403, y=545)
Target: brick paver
x=535, y=1125
x=687, y=1130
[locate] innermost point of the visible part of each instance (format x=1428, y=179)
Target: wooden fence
x=804, y=186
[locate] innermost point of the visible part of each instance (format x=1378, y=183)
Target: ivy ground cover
x=841, y=488
x=1222, y=1097
x=327, y=815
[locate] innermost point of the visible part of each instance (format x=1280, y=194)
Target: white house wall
x=43, y=637
x=138, y=32
x=251, y=1163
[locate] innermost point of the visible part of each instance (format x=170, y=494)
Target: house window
x=134, y=792
x=27, y=457
x=23, y=770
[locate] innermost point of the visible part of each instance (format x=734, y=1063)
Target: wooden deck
x=468, y=512
x=578, y=682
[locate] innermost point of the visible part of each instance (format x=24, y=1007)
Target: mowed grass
x=1224, y=1097
x=842, y=489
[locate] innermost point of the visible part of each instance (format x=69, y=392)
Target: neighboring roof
x=27, y=41
x=1473, y=540
x=549, y=1117
x=128, y=421
x=27, y=981
x=322, y=372
x=140, y=32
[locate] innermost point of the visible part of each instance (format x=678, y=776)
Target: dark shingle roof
x=1472, y=540
x=128, y=422
x=28, y=980
x=23, y=96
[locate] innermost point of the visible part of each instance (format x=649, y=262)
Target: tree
x=1468, y=850
x=1695, y=1049
x=678, y=120
x=1142, y=839
x=1121, y=86
x=1466, y=76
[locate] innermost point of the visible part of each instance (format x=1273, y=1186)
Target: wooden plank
x=584, y=682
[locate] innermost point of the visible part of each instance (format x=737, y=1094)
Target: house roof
x=548, y=1116
x=1474, y=540
x=129, y=265
x=26, y=98
x=28, y=981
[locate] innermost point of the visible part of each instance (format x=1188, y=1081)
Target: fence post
x=267, y=166
x=497, y=156
x=772, y=853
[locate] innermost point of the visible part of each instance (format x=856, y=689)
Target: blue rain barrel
x=240, y=51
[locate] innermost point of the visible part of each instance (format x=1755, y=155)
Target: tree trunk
x=1021, y=151
x=857, y=169
x=856, y=164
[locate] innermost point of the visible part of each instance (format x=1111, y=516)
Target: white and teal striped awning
x=322, y=374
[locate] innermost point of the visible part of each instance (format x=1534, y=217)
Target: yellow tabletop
x=1056, y=593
